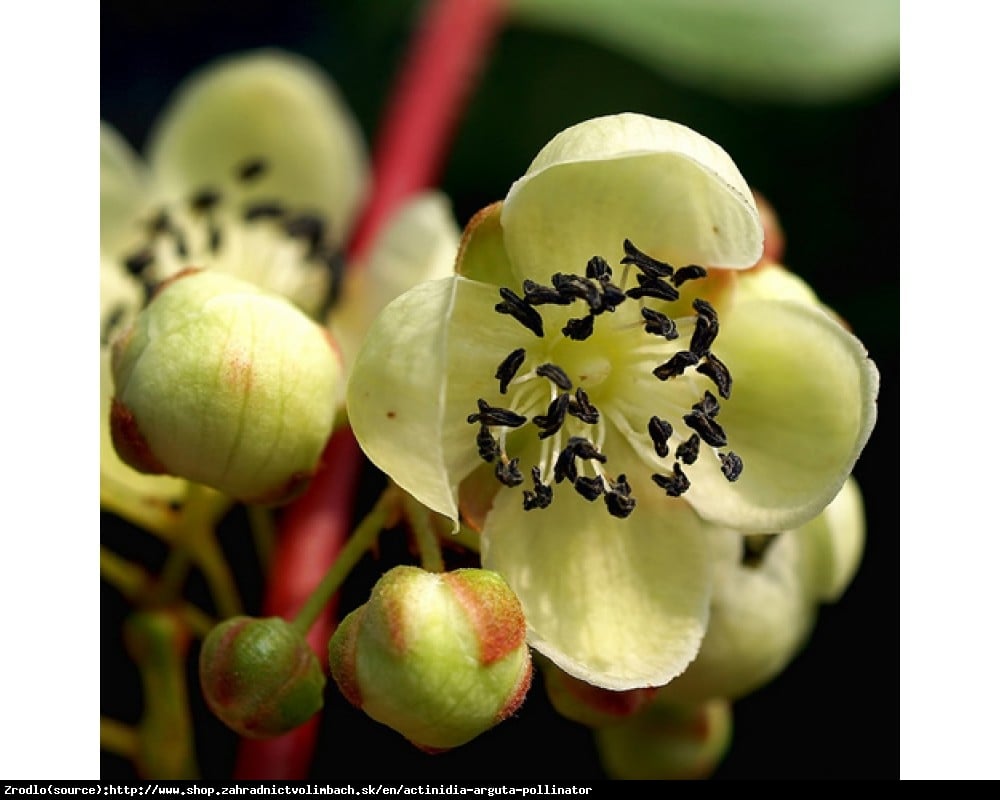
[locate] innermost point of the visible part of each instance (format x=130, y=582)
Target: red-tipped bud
x=260, y=677
x=440, y=658
x=590, y=705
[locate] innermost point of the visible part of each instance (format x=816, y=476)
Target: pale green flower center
x=241, y=231
x=606, y=352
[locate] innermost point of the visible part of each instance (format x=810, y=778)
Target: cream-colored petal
x=482, y=255
x=802, y=408
x=272, y=105
x=774, y=282
x=419, y=243
x=618, y=603
x=426, y=359
x=677, y=195
x=833, y=543
x=759, y=618
x=123, y=188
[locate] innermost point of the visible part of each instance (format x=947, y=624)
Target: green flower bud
x=440, y=658
x=259, y=676
x=219, y=382
x=591, y=705
x=667, y=742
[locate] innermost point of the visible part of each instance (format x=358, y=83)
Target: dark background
x=831, y=171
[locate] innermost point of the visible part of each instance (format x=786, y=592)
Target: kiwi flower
x=592, y=395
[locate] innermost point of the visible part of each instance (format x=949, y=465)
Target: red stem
x=433, y=84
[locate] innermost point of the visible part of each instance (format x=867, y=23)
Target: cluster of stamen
x=199, y=230
x=564, y=462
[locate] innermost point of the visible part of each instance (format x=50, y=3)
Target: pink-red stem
x=447, y=51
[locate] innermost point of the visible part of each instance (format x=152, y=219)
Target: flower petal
x=123, y=187
x=426, y=359
x=419, y=243
x=482, y=255
x=617, y=603
x=266, y=105
x=759, y=618
x=833, y=543
x=677, y=195
x=802, y=408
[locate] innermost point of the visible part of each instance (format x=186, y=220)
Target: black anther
x=308, y=227
x=659, y=324
x=732, y=466
x=556, y=374
x=706, y=328
x=205, y=199
x=263, y=209
x=536, y=294
x=598, y=269
x=585, y=449
x=580, y=328
x=651, y=286
x=589, y=488
x=689, y=273
x=490, y=415
x=573, y=286
x=718, y=373
x=508, y=369
x=250, y=169
x=565, y=468
x=646, y=264
x=489, y=448
x=678, y=362
x=581, y=408
x=675, y=485
x=660, y=431
x=507, y=473
x=550, y=423
x=687, y=451
x=139, y=260
x=708, y=406
x=521, y=311
x=541, y=497
x=706, y=427
x=611, y=297
x=214, y=238
x=617, y=499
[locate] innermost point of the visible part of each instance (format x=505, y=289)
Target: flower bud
x=259, y=676
x=667, y=742
x=440, y=658
x=219, y=382
x=590, y=705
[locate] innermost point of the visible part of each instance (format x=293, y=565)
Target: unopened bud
x=259, y=676
x=440, y=658
x=667, y=742
x=590, y=705
x=219, y=382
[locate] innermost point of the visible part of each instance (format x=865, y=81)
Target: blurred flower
x=644, y=384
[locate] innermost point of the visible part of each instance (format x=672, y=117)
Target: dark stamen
x=589, y=488
x=585, y=449
x=678, y=362
x=708, y=406
x=538, y=295
x=508, y=369
x=521, y=311
x=138, y=261
x=617, y=498
x=160, y=224
x=251, y=169
x=598, y=269
x=565, y=466
x=689, y=273
x=489, y=448
x=214, y=238
x=718, y=373
x=581, y=408
x=264, y=209
x=611, y=297
x=205, y=200
x=490, y=415
x=732, y=466
x=659, y=324
x=675, y=485
x=309, y=227
x=709, y=430
x=688, y=450
x=646, y=264
x=579, y=329
x=705, y=329
x=573, y=286
x=180, y=243
x=508, y=474
x=556, y=374
x=651, y=286
x=541, y=497
x=660, y=431
x=552, y=421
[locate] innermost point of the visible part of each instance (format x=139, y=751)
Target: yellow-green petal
x=759, y=618
x=618, y=603
x=803, y=406
x=272, y=105
x=123, y=187
x=833, y=543
x=677, y=195
x=418, y=243
x=427, y=357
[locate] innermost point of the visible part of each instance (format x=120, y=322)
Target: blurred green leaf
x=803, y=51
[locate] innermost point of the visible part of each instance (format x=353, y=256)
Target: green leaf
x=805, y=51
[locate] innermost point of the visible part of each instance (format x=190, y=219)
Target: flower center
x=569, y=385
x=243, y=233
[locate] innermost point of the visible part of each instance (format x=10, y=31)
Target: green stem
x=428, y=544
x=360, y=541
x=262, y=531
x=119, y=738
